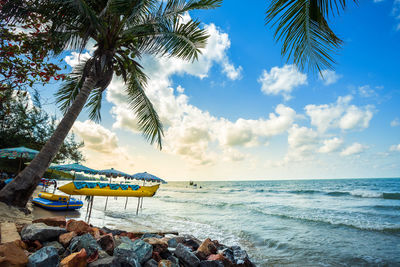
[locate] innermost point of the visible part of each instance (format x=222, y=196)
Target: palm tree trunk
x=18, y=192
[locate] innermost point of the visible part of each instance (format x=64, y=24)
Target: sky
x=241, y=112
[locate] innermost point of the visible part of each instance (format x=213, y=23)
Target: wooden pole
x=90, y=212
x=126, y=202
x=141, y=204
x=105, y=207
x=137, y=209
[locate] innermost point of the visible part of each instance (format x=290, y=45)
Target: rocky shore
x=54, y=241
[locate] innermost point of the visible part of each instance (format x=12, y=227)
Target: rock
x=21, y=244
x=158, y=244
x=12, y=255
x=118, y=240
x=174, y=260
x=165, y=263
x=110, y=231
x=228, y=253
x=151, y=263
x=221, y=258
x=60, y=249
x=79, y=227
x=44, y=257
x=41, y=232
x=66, y=238
x=52, y=221
x=8, y=232
x=156, y=256
x=126, y=255
x=240, y=256
x=186, y=256
x=211, y=264
x=106, y=242
x=103, y=254
x=206, y=249
x=77, y=259
x=95, y=232
x=190, y=241
x=149, y=235
x=143, y=250
x=165, y=254
x=105, y=262
x=85, y=241
x=172, y=243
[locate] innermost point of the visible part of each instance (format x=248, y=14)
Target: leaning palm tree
x=302, y=26
x=123, y=30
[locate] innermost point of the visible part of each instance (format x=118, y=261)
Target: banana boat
x=50, y=201
x=108, y=189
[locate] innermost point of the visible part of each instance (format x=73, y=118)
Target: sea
x=342, y=222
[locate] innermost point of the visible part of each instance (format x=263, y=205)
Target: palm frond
x=94, y=104
x=302, y=27
x=148, y=120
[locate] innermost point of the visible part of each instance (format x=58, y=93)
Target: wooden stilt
x=126, y=202
x=105, y=207
x=137, y=209
x=90, y=212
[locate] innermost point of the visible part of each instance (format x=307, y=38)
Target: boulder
x=211, y=264
x=165, y=263
x=66, y=238
x=44, y=257
x=52, y=221
x=174, y=260
x=227, y=253
x=105, y=262
x=240, y=256
x=85, y=241
x=12, y=255
x=106, y=242
x=103, y=254
x=156, y=256
x=190, y=241
x=186, y=256
x=126, y=255
x=21, y=244
x=112, y=231
x=41, y=232
x=172, y=243
x=95, y=232
x=206, y=249
x=221, y=258
x=118, y=240
x=77, y=259
x=151, y=263
x=158, y=244
x=79, y=227
x=60, y=249
x=143, y=250
x=149, y=235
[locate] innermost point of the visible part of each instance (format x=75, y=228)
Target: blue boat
x=57, y=202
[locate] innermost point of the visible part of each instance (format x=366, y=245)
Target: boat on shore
x=51, y=201
x=108, y=189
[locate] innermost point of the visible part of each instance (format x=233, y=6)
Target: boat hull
x=106, y=189
x=47, y=204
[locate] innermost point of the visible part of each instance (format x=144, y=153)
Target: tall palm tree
x=302, y=26
x=123, y=30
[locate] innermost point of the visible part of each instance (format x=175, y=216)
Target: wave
x=391, y=195
x=304, y=192
x=386, y=207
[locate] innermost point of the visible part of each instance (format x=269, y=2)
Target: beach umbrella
x=145, y=176
x=18, y=152
x=75, y=167
x=112, y=173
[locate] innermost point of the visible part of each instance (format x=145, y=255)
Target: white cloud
x=395, y=147
x=329, y=77
x=366, y=91
x=95, y=136
x=331, y=145
x=180, y=89
x=282, y=80
x=302, y=143
x=340, y=115
x=75, y=58
x=355, y=148
x=395, y=122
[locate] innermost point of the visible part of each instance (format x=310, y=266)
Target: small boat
x=108, y=189
x=56, y=202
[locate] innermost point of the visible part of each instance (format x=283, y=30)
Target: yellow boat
x=53, y=197
x=108, y=189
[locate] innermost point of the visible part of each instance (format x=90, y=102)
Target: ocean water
x=347, y=222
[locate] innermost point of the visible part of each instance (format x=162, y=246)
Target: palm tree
x=302, y=26
x=123, y=30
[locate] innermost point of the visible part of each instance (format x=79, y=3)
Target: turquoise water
x=354, y=222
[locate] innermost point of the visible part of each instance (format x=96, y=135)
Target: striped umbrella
x=145, y=176
x=114, y=173
x=75, y=167
x=18, y=152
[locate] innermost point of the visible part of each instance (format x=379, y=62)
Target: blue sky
x=242, y=112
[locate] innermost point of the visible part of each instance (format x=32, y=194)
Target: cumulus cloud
x=395, y=148
x=95, y=136
x=340, y=115
x=329, y=77
x=75, y=58
x=302, y=143
x=355, y=148
x=395, y=122
x=367, y=91
x=282, y=80
x=331, y=145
